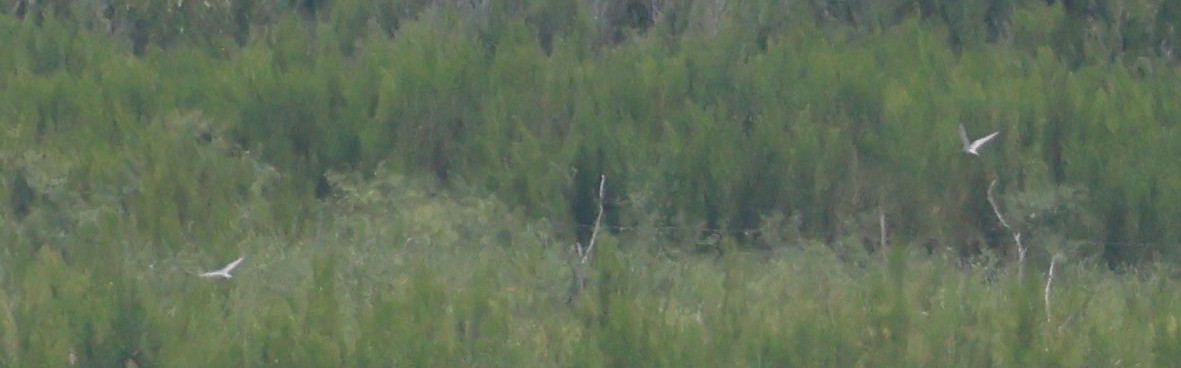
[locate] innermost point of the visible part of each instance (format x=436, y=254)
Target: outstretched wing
x=233, y=265
x=964, y=135
x=980, y=142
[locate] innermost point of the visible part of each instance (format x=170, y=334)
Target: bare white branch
x=586, y=254
x=882, y=228
x=1021, y=249
x=579, y=271
x=1049, y=284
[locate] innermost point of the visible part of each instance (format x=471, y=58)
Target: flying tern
x=224, y=272
x=973, y=147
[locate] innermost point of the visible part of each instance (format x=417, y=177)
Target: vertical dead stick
x=1049, y=284
x=579, y=271
x=1016, y=235
x=882, y=229
x=598, y=218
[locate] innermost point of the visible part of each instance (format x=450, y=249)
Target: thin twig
x=599, y=218
x=404, y=246
x=1062, y=326
x=1021, y=249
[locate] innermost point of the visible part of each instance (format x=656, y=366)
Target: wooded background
x=723, y=116
x=404, y=179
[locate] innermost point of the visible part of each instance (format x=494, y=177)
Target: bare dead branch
x=1021, y=249
x=882, y=229
x=586, y=254
x=1049, y=284
x=578, y=271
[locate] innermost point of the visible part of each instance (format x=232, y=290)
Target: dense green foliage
x=390, y=277
x=406, y=179
x=716, y=118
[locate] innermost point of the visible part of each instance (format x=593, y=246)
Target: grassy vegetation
x=393, y=275
x=408, y=181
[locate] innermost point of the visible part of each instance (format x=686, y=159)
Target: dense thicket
x=705, y=114
x=142, y=141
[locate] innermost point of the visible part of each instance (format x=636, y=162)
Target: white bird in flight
x=224, y=272
x=973, y=147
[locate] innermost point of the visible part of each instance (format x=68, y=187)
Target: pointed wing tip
x=233, y=265
x=989, y=137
